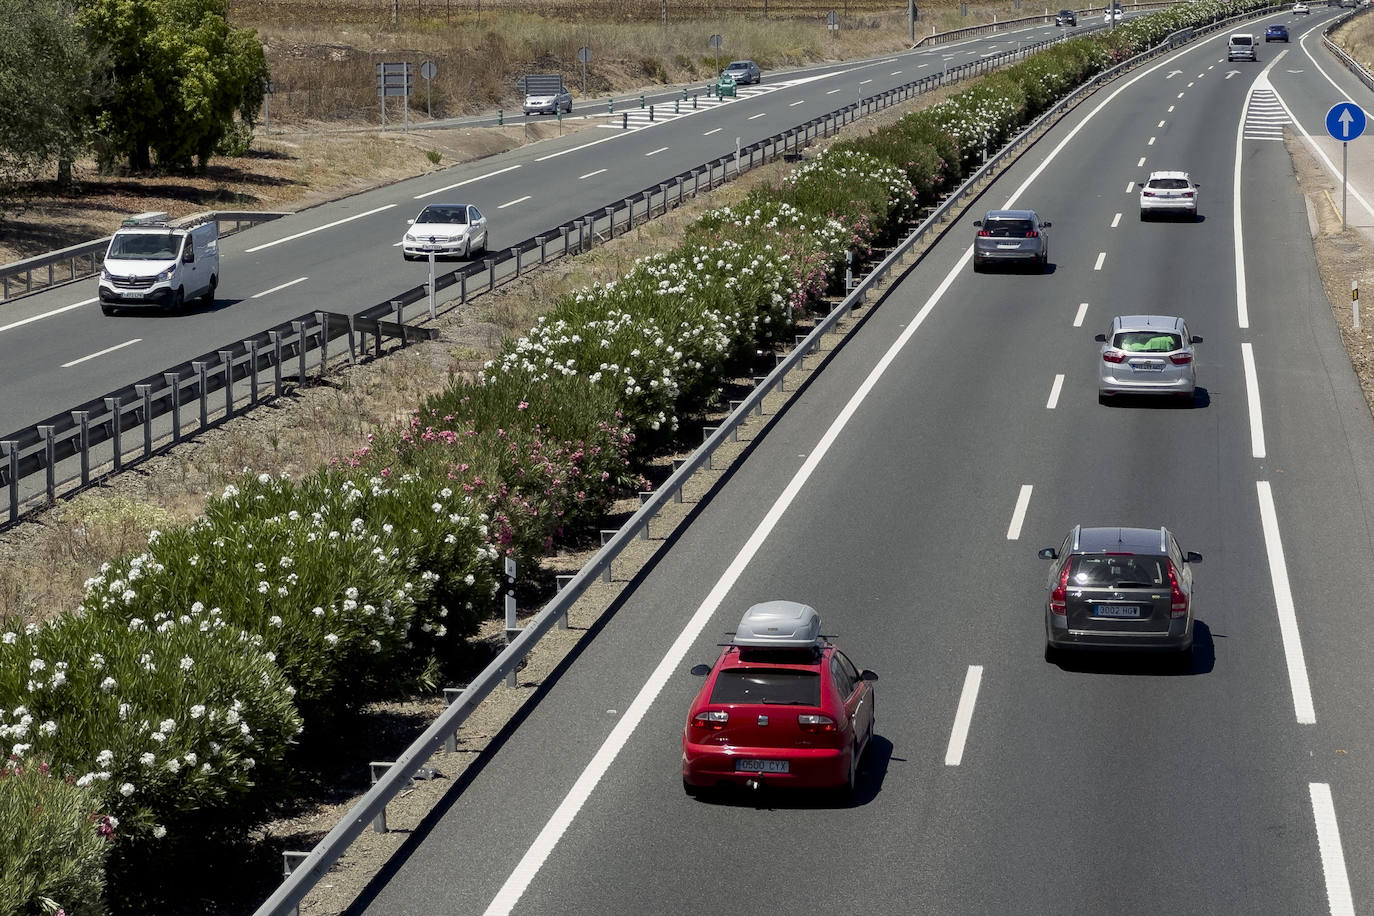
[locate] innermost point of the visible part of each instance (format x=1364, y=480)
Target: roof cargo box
x=779, y=624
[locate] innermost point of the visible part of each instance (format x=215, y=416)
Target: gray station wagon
x=1119, y=588
x=1147, y=354
x=1011, y=237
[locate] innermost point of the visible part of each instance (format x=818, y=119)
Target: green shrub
x=53, y=843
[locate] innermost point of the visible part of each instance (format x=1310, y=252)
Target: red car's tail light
x=712, y=720
x=1059, y=596
x=1178, y=602
x=984, y=234
x=1114, y=356
x=814, y=723
x=1181, y=359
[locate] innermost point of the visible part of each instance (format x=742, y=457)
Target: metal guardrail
x=939, y=38
x=58, y=268
x=1351, y=64
x=306, y=869
x=77, y=447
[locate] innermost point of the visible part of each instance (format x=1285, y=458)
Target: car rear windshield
x=433, y=214
x=1240, y=40
x=1118, y=571
x=1169, y=184
x=775, y=686
x=1008, y=228
x=1147, y=342
x=144, y=246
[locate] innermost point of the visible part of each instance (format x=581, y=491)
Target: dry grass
x=1357, y=38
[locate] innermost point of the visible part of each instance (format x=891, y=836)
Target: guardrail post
x=516, y=252
x=49, y=459
x=629, y=213
x=352, y=354
x=543, y=255
x=253, y=373
x=566, y=231
x=289, y=860
x=146, y=393
x=379, y=822
x=11, y=450
x=491, y=273
x=299, y=328
x=610, y=228
x=174, y=383
x=227, y=357
x=451, y=695
x=84, y=418
x=275, y=338
x=512, y=624
x=606, y=535
x=562, y=580
x=323, y=319
x=199, y=368
x=116, y=431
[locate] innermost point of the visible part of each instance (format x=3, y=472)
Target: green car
x=725, y=86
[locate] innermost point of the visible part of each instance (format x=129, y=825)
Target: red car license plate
x=760, y=766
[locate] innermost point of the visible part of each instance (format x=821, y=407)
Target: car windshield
x=144, y=246
x=438, y=214
x=1169, y=184
x=739, y=65
x=1147, y=341
x=778, y=686
x=1116, y=571
x=1008, y=228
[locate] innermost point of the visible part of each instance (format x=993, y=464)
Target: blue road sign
x=1345, y=121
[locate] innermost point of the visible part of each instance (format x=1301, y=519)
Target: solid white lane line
x=1018, y=514
x=277, y=289
x=32, y=318
x=126, y=343
x=1082, y=310
x=1101, y=256
x=963, y=716
x=465, y=182
x=511, y=203
x=757, y=116
x=1283, y=600
x=655, y=152
x=337, y=222
x=1333, y=857
x=1054, y=392
x=1252, y=397
x=714, y=130
x=1141, y=162
x=1237, y=234
x=590, y=175
x=1116, y=220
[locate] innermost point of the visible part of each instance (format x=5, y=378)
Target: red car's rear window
x=774, y=686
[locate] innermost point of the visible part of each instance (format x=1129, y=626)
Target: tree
x=44, y=80
x=175, y=77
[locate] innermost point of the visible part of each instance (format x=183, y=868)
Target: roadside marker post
x=1345, y=121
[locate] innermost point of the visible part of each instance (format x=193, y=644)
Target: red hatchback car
x=781, y=707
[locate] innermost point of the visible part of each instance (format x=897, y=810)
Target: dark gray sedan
x=1119, y=588
x=1014, y=237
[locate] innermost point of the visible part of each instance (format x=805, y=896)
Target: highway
x=904, y=494
x=57, y=350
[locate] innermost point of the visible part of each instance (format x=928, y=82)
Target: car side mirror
x=1048, y=553
x=701, y=670
x=1192, y=557
x=410, y=222
x=1194, y=339
x=978, y=222
x=1100, y=338
x=1196, y=185
x=1046, y=224
x=868, y=675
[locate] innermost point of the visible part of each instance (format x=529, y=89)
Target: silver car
x=1011, y=237
x=446, y=231
x=743, y=71
x=1147, y=354
x=1119, y=588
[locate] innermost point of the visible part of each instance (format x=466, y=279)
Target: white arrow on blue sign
x=1345, y=121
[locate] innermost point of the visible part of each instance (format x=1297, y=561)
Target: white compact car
x=1301, y=8
x=446, y=231
x=1168, y=193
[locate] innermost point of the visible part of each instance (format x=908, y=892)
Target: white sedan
x=446, y=231
x=1301, y=8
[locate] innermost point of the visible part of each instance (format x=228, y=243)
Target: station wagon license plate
x=1117, y=610
x=760, y=766
x=1148, y=367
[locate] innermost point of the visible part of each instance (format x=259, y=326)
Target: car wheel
x=467, y=250
x=847, y=791
x=1103, y=397
x=1144, y=215
x=1184, y=661
x=178, y=299
x=691, y=790
x=209, y=297
x=107, y=309
x=1052, y=655
x=977, y=266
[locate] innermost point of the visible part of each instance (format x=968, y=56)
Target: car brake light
x=984, y=234
x=713, y=719
x=1114, y=356
x=1187, y=193
x=814, y=723
x=1148, y=193
x=1178, y=602
x=1032, y=234
x=1181, y=359
x=1059, y=596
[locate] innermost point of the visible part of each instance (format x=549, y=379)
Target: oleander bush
x=53, y=844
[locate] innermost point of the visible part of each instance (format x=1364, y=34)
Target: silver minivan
x=1241, y=46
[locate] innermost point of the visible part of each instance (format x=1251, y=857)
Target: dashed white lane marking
x=83, y=359
x=655, y=152
x=1130, y=187
x=833, y=91
x=466, y=181
x=511, y=203
x=1058, y=385
x=590, y=175
x=1338, y=897
x=1101, y=256
x=32, y=318
x=1141, y=162
x=1082, y=311
x=1180, y=95
x=1160, y=124
x=1152, y=142
x=337, y=222
x=1190, y=86
x=714, y=130
x=864, y=82
x=277, y=289
x=1283, y=600
x=1171, y=109
x=963, y=716
x=1018, y=514
x=1116, y=220
x=757, y=116
x=797, y=102
x=1252, y=397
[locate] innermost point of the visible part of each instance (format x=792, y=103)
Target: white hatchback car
x=1147, y=354
x=1301, y=8
x=1168, y=192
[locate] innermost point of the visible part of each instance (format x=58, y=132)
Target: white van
x=1241, y=46
x=151, y=262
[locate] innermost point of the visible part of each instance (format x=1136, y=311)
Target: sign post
x=716, y=42
x=427, y=70
x=1345, y=122
x=584, y=55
